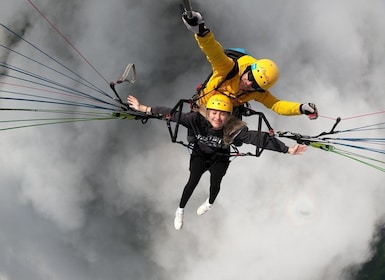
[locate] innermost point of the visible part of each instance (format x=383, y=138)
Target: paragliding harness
x=173, y=130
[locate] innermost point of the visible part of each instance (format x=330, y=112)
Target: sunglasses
x=254, y=83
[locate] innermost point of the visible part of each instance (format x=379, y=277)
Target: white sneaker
x=178, y=221
x=206, y=206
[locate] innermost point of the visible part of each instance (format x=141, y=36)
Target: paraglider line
x=85, y=83
x=67, y=40
x=52, y=58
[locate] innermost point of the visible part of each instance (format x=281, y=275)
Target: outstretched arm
x=287, y=108
x=184, y=118
x=265, y=140
x=220, y=62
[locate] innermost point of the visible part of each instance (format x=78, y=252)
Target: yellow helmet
x=265, y=73
x=220, y=102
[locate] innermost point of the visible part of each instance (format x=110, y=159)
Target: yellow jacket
x=221, y=65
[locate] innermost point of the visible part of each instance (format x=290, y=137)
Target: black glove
x=195, y=24
x=310, y=110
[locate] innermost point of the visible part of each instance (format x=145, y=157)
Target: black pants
x=199, y=164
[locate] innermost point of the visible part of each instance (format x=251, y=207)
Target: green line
x=361, y=156
x=113, y=116
x=331, y=148
x=322, y=146
x=50, y=119
x=361, y=161
x=55, y=111
x=57, y=122
x=123, y=115
x=117, y=115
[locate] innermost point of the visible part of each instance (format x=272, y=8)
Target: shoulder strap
x=235, y=54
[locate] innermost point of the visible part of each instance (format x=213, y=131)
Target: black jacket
x=211, y=141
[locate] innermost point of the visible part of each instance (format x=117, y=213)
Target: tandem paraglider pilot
x=239, y=75
x=215, y=129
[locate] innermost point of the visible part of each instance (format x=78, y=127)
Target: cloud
x=96, y=200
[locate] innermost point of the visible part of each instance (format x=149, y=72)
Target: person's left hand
x=297, y=149
x=310, y=110
x=133, y=102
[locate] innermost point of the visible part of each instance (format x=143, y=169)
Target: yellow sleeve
x=281, y=107
x=221, y=64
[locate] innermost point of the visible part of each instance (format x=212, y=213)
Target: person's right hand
x=196, y=23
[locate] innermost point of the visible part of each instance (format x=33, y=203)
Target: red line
x=354, y=117
x=330, y=118
x=365, y=115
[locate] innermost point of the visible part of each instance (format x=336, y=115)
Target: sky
x=97, y=200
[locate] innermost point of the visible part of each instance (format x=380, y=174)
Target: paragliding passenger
x=242, y=79
x=215, y=128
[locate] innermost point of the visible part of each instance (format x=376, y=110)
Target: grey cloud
x=96, y=200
